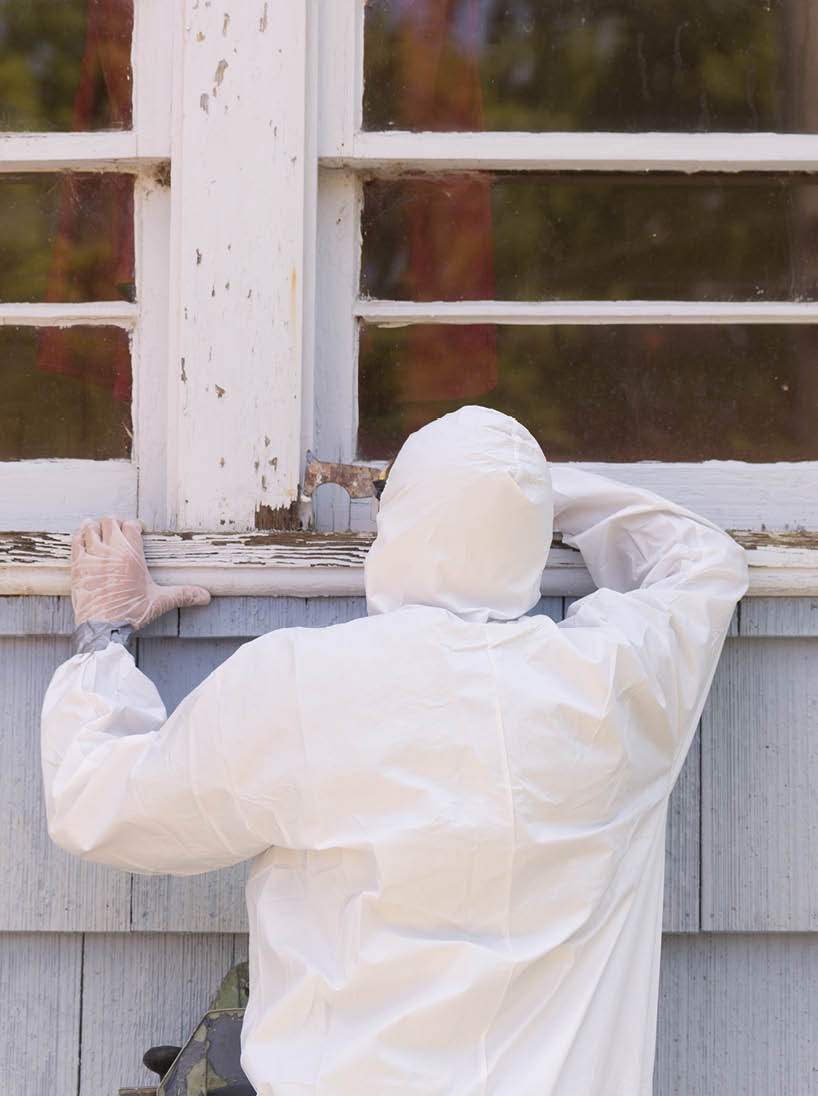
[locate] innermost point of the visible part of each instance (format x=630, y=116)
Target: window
x=337, y=241
x=576, y=212
x=83, y=259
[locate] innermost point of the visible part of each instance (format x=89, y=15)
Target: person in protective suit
x=456, y=811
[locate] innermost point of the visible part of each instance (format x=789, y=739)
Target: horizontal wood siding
x=99, y=964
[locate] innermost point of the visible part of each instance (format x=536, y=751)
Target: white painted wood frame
x=733, y=494
x=240, y=217
x=57, y=494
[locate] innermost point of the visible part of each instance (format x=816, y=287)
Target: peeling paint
x=225, y=24
x=278, y=517
x=200, y=36
x=264, y=483
x=274, y=462
x=262, y=23
x=161, y=175
x=256, y=465
x=204, y=102
x=227, y=285
x=221, y=462
x=218, y=75
x=184, y=375
x=198, y=257
x=219, y=391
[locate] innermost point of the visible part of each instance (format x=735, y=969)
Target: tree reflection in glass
x=617, y=65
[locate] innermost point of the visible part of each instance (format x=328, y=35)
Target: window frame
x=52, y=493
x=736, y=495
x=279, y=214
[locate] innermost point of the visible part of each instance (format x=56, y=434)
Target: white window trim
x=58, y=493
x=247, y=212
x=734, y=494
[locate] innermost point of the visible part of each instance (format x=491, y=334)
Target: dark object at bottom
x=209, y=1060
x=159, y=1059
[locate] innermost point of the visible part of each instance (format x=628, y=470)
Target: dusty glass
x=66, y=237
x=591, y=237
x=66, y=392
x=610, y=393
x=65, y=64
x=617, y=65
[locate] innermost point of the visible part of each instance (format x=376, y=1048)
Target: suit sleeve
x=212, y=785
x=668, y=584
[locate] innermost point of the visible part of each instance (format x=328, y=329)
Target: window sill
x=331, y=564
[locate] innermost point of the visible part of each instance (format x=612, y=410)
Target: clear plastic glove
x=110, y=580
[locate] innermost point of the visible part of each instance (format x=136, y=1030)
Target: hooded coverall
x=457, y=812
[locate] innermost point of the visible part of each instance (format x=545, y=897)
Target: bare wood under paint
x=315, y=564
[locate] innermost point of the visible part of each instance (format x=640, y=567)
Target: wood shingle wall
x=96, y=965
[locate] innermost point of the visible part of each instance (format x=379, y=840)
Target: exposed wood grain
x=142, y=990
x=759, y=773
x=781, y=617
x=43, y=888
x=737, y=1016
x=39, y=1036
x=324, y=564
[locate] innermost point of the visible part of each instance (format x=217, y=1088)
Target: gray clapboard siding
x=142, y=990
x=214, y=901
x=41, y=977
x=759, y=774
x=737, y=1016
x=247, y=617
x=779, y=616
x=42, y=888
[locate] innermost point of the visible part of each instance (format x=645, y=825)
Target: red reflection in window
x=105, y=69
x=443, y=90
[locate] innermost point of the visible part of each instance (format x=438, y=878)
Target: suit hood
x=465, y=520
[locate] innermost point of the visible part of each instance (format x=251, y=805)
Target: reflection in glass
x=591, y=237
x=618, y=65
x=65, y=64
x=614, y=393
x=66, y=237
x=66, y=392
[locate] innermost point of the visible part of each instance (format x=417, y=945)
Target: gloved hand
x=110, y=580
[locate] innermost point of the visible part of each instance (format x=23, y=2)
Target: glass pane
x=65, y=64
x=66, y=237
x=618, y=393
x=591, y=237
x=620, y=65
x=66, y=393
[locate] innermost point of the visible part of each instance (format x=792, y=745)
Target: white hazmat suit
x=457, y=812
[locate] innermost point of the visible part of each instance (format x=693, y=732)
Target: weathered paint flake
x=204, y=102
x=218, y=75
x=262, y=23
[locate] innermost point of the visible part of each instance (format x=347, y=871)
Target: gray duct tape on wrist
x=95, y=635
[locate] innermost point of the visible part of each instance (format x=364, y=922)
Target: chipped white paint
x=315, y=564
x=401, y=313
x=574, y=152
x=239, y=151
